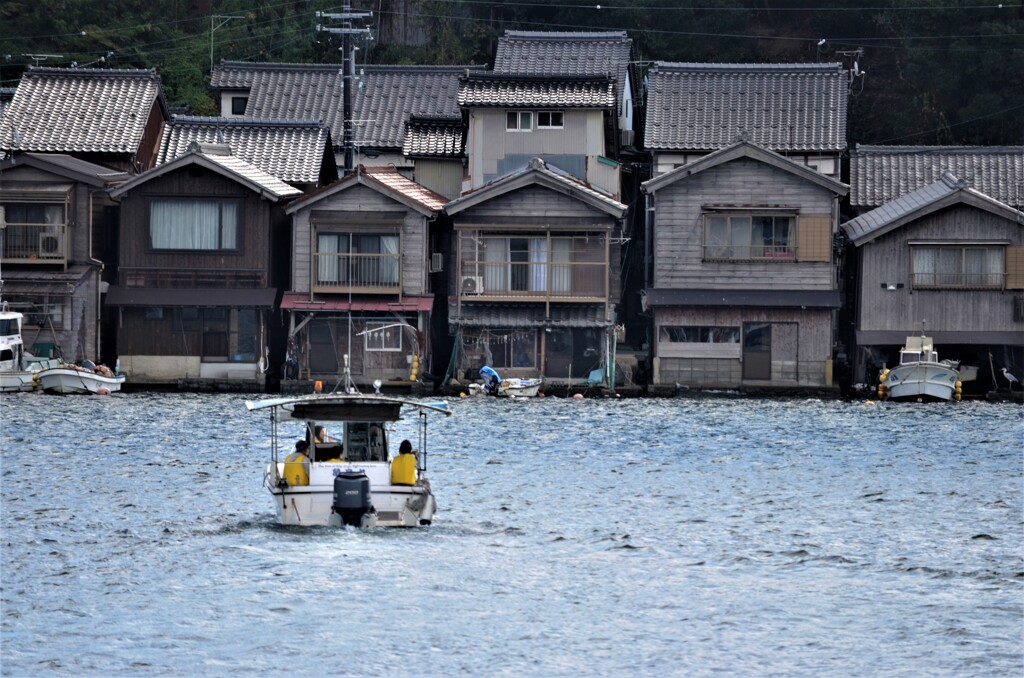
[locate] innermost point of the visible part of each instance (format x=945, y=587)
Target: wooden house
x=740, y=269
x=386, y=100
x=201, y=245
x=55, y=224
x=360, y=287
x=533, y=286
x=946, y=260
x=743, y=289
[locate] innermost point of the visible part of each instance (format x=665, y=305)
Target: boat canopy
x=343, y=407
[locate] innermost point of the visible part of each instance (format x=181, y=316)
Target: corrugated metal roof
x=291, y=150
x=879, y=174
x=783, y=107
x=536, y=91
x=497, y=315
x=85, y=110
x=384, y=99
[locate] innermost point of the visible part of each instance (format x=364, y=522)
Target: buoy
x=578, y=396
x=318, y=386
x=103, y=390
x=462, y=394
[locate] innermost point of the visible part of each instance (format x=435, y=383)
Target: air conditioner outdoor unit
x=472, y=284
x=436, y=262
x=50, y=245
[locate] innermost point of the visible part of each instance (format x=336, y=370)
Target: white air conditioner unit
x=51, y=245
x=436, y=262
x=472, y=284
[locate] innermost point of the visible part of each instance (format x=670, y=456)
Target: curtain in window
x=188, y=225
x=328, y=265
x=496, y=264
x=389, y=263
x=924, y=266
x=739, y=237
x=994, y=266
x=228, y=225
x=561, y=265
x=538, y=264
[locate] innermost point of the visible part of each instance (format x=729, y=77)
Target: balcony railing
x=162, y=277
x=35, y=243
x=958, y=281
x=361, y=273
x=536, y=281
x=774, y=253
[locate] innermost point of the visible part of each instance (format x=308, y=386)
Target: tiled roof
x=879, y=174
x=433, y=137
x=783, y=107
x=384, y=99
x=6, y=94
x=554, y=53
x=291, y=150
x=218, y=158
x=881, y=219
x=536, y=91
x=72, y=167
x=84, y=110
x=386, y=180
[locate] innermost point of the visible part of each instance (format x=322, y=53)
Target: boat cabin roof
x=343, y=407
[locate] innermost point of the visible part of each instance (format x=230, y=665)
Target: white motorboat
x=519, y=388
x=920, y=376
x=17, y=366
x=351, y=480
x=77, y=379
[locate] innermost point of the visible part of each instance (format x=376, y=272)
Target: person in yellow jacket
x=403, y=467
x=296, y=465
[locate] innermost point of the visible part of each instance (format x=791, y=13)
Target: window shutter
x=1015, y=267
x=815, y=238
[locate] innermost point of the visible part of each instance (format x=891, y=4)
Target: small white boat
x=351, y=480
x=920, y=376
x=76, y=379
x=17, y=366
x=519, y=388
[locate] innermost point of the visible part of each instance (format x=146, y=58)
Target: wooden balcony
x=163, y=277
x=35, y=244
x=342, y=273
x=533, y=281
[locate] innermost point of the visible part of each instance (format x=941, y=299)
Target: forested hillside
x=934, y=71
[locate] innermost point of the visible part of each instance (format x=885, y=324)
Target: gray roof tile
x=85, y=110
x=385, y=98
x=433, y=137
x=782, y=107
x=879, y=174
x=536, y=91
x=291, y=150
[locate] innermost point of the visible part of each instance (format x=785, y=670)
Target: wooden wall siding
x=149, y=146
x=814, y=238
x=1015, y=267
x=887, y=259
x=441, y=176
x=254, y=253
x=582, y=134
x=533, y=204
x=138, y=335
x=679, y=228
x=352, y=205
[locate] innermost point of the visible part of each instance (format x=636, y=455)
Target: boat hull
x=14, y=381
x=924, y=381
x=68, y=381
x=312, y=504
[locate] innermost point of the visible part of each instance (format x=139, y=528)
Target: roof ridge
x=97, y=72
x=738, y=67
x=539, y=77
x=553, y=36
x=245, y=121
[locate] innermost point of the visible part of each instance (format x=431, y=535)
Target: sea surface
x=612, y=537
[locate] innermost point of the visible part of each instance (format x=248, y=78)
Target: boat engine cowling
x=352, y=497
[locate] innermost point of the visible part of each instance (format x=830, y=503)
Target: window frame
x=239, y=204
x=551, y=124
x=521, y=116
x=941, y=280
x=235, y=100
x=372, y=331
x=768, y=252
x=699, y=334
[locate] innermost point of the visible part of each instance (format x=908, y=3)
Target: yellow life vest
x=403, y=470
x=295, y=470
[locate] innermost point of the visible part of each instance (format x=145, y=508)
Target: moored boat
x=79, y=379
x=17, y=366
x=920, y=376
x=352, y=479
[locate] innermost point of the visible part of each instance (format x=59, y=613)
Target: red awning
x=294, y=301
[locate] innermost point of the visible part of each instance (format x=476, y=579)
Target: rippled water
x=615, y=537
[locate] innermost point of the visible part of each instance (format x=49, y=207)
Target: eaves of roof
x=384, y=180
x=745, y=149
x=526, y=90
x=69, y=167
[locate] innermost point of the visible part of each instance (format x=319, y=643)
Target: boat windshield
x=909, y=357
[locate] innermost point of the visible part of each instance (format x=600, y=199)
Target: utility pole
x=348, y=72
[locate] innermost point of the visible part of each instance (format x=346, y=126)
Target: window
x=224, y=335
x=749, y=236
x=384, y=336
x=958, y=266
x=503, y=349
x=34, y=230
x=549, y=119
x=209, y=225
x=519, y=121
x=238, y=105
x=34, y=213
x=46, y=312
x=358, y=259
x=698, y=334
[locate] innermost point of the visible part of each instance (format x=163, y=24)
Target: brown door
x=757, y=351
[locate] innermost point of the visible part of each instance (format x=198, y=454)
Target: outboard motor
x=352, y=497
